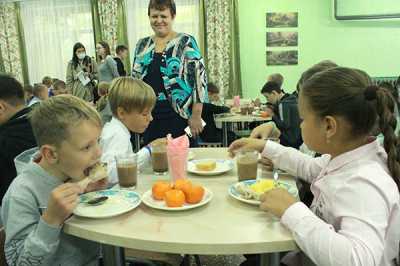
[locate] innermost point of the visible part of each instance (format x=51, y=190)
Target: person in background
x=16, y=133
x=28, y=93
x=59, y=88
x=40, y=93
x=355, y=216
x=210, y=132
x=121, y=52
x=81, y=74
x=285, y=116
x=102, y=90
x=44, y=195
x=277, y=78
x=171, y=63
x=48, y=82
x=107, y=65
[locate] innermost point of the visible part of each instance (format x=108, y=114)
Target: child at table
x=355, y=215
x=41, y=198
x=131, y=102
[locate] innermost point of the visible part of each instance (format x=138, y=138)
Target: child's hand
x=247, y=144
x=263, y=131
x=266, y=163
x=98, y=185
x=277, y=201
x=62, y=201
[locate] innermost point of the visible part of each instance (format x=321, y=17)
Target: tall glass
x=247, y=164
x=127, y=170
x=159, y=159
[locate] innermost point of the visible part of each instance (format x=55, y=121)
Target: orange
x=195, y=194
x=174, y=198
x=183, y=184
x=159, y=188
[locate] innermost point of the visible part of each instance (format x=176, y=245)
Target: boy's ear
x=49, y=153
x=330, y=125
x=3, y=107
x=121, y=112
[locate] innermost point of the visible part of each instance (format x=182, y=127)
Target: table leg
x=270, y=259
x=225, y=134
x=113, y=256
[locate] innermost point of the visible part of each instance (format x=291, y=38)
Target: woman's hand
x=277, y=201
x=247, y=144
x=195, y=126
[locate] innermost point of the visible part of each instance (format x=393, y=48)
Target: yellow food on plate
x=206, y=165
x=262, y=186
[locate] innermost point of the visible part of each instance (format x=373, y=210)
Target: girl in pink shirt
x=355, y=216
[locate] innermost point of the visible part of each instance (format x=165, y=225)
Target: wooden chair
x=3, y=261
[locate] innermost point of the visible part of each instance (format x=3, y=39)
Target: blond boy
x=41, y=198
x=40, y=93
x=131, y=102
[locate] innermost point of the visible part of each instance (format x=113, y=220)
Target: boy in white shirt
x=131, y=102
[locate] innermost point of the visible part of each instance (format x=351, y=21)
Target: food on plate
x=174, y=198
x=194, y=194
x=183, y=184
x=177, y=194
x=159, y=189
x=254, y=191
x=97, y=171
x=206, y=165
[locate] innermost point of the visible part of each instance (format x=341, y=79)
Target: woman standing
x=172, y=65
x=107, y=65
x=81, y=74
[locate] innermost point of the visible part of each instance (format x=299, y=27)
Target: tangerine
x=195, y=194
x=174, y=198
x=183, y=184
x=159, y=188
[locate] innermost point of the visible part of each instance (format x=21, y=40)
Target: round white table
x=223, y=226
x=228, y=118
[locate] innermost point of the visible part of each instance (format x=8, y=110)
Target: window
x=51, y=28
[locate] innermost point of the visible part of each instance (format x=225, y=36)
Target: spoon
x=97, y=201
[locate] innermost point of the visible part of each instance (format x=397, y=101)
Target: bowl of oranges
x=177, y=196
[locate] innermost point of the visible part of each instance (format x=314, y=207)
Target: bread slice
x=206, y=165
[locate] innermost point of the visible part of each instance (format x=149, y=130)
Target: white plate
x=292, y=189
x=222, y=166
x=191, y=155
x=118, y=202
x=161, y=205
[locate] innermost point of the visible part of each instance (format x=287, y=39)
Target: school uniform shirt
x=355, y=217
x=115, y=140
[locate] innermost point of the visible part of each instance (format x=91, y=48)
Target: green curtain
x=221, y=42
x=202, y=30
x=122, y=31
x=2, y=67
x=96, y=21
x=22, y=46
x=235, y=81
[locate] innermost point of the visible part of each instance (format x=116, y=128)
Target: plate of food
x=250, y=191
x=180, y=196
x=106, y=203
x=209, y=166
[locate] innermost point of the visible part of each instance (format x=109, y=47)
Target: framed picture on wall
x=282, y=58
x=282, y=38
x=282, y=20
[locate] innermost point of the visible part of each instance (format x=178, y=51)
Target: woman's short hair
x=162, y=5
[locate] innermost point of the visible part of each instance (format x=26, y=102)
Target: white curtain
x=186, y=20
x=51, y=28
